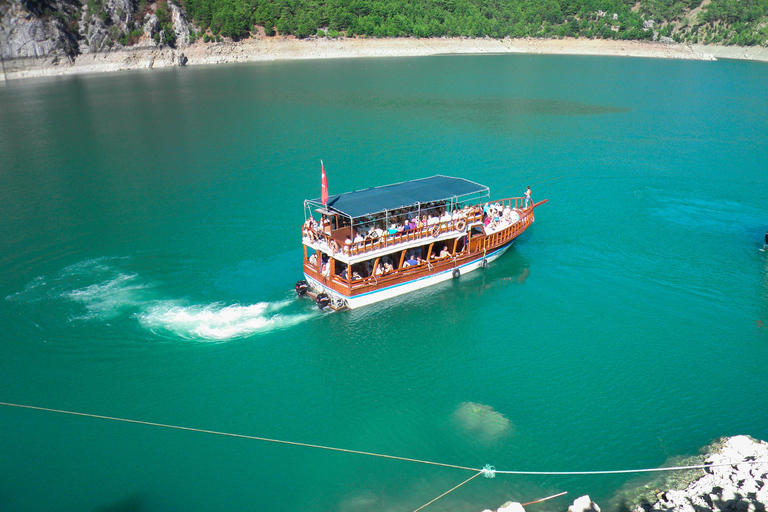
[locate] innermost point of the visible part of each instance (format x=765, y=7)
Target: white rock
x=583, y=504
x=511, y=506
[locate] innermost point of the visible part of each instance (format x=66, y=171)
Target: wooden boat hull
x=417, y=283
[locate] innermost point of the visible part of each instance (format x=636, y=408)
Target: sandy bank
x=267, y=49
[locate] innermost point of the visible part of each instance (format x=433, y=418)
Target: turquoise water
x=149, y=243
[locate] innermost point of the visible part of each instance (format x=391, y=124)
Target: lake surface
x=149, y=244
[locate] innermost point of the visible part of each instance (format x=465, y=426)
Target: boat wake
x=108, y=299
x=102, y=290
x=218, y=322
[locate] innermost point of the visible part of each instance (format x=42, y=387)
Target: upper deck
x=358, y=225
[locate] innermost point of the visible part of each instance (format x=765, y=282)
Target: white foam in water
x=97, y=285
x=217, y=322
x=107, y=291
x=107, y=299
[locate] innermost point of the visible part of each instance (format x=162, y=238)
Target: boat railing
x=432, y=231
x=456, y=225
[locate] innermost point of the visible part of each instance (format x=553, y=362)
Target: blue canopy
x=401, y=195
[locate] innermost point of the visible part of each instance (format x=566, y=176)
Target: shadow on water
x=468, y=108
x=132, y=503
x=494, y=113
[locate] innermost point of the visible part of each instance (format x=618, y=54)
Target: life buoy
x=334, y=246
x=435, y=232
x=456, y=273
x=461, y=225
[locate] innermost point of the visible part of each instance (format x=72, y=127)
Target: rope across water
x=487, y=471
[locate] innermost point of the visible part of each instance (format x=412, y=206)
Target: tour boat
x=374, y=244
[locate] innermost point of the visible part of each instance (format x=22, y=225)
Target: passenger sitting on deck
x=411, y=261
x=313, y=259
x=444, y=253
x=374, y=233
x=445, y=218
x=347, y=244
x=393, y=228
x=388, y=267
x=356, y=276
x=379, y=270
x=309, y=229
x=432, y=220
x=343, y=274
x=358, y=238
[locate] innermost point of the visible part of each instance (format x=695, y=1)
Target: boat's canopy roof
x=401, y=195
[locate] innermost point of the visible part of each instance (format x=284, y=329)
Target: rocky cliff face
x=38, y=29
x=60, y=30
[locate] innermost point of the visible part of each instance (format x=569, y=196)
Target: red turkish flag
x=323, y=185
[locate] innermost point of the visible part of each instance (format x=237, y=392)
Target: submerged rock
x=482, y=420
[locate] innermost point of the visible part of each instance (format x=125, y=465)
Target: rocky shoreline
x=62, y=37
x=737, y=481
x=289, y=48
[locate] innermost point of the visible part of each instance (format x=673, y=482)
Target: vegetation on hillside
x=742, y=22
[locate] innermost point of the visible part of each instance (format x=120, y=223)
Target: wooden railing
x=431, y=231
x=434, y=231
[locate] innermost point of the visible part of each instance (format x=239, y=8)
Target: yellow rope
x=446, y=492
x=242, y=436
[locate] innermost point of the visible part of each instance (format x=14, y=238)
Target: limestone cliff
x=57, y=31
x=35, y=29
